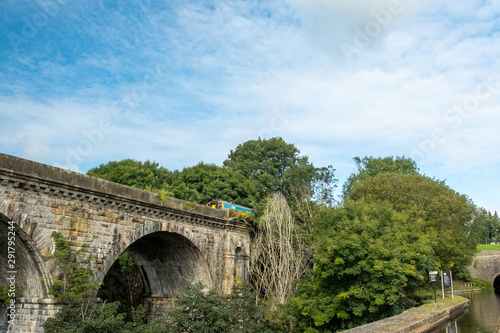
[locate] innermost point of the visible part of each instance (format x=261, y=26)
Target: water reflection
x=482, y=316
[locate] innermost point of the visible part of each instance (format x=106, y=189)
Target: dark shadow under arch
x=496, y=283
x=158, y=265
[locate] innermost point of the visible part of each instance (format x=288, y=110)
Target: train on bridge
x=222, y=205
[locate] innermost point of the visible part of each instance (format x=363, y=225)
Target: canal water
x=482, y=316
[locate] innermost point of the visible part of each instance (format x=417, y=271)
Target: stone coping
x=416, y=320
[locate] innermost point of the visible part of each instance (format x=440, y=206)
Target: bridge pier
x=30, y=314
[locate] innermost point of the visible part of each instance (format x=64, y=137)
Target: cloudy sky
x=179, y=82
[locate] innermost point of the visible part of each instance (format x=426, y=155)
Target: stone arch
x=167, y=262
x=123, y=239
x=31, y=275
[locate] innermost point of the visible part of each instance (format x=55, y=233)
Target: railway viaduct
x=172, y=243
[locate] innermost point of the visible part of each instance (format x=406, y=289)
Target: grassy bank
x=488, y=247
x=442, y=303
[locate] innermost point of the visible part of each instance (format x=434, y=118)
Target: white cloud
x=237, y=70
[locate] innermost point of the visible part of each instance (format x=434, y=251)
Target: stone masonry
x=486, y=265
x=173, y=243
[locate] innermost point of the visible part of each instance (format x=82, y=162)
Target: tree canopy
x=268, y=163
x=368, y=259
x=432, y=206
x=204, y=182
x=133, y=173
x=368, y=167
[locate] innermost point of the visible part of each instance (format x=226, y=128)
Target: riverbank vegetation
x=322, y=263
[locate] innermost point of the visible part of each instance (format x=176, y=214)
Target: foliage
x=279, y=254
x=238, y=215
x=370, y=167
x=133, y=173
x=190, y=206
x=276, y=166
x=440, y=212
x=201, y=310
x=90, y=316
x=273, y=166
x=206, y=182
x=368, y=259
x=75, y=281
x=201, y=183
x=491, y=230
x=265, y=162
x=481, y=283
x=123, y=283
x=310, y=189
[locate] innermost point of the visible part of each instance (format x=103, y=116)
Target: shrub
x=202, y=310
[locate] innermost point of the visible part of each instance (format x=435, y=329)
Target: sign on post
x=433, y=276
x=447, y=282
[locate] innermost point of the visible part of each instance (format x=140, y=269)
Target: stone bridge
x=172, y=242
x=486, y=265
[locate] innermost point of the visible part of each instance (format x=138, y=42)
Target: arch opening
x=23, y=260
x=25, y=269
x=240, y=270
x=496, y=283
x=159, y=265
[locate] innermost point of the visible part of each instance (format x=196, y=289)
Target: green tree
x=451, y=218
x=206, y=182
x=123, y=283
x=275, y=166
x=133, y=173
x=75, y=281
x=368, y=260
x=310, y=189
x=265, y=162
x=368, y=167
x=491, y=229
x=494, y=223
x=485, y=234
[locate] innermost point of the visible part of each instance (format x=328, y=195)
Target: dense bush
x=90, y=316
x=201, y=310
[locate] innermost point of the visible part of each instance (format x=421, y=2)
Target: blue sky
x=179, y=82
